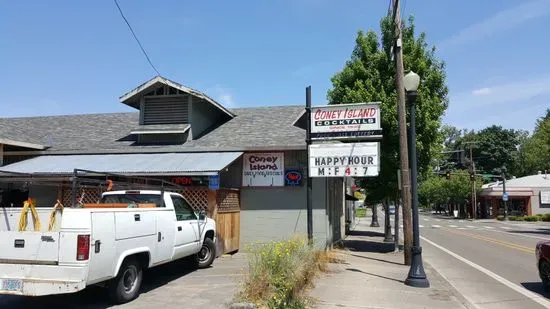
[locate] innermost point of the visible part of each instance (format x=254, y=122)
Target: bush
x=500, y=218
x=512, y=218
x=279, y=273
x=520, y=218
x=546, y=217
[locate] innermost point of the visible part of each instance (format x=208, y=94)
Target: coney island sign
x=360, y=121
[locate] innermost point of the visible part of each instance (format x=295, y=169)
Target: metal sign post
x=309, y=185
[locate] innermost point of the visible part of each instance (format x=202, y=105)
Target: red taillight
x=83, y=248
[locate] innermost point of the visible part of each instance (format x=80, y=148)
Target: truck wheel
x=125, y=286
x=207, y=254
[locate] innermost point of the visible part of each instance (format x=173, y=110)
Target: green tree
x=369, y=76
x=535, y=150
x=496, y=147
x=439, y=191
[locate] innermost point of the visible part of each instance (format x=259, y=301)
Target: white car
x=103, y=244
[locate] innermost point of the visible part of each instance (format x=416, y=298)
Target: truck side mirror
x=202, y=215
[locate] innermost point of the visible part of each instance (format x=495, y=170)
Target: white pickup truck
x=107, y=246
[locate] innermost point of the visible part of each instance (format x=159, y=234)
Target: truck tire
x=126, y=285
x=205, y=257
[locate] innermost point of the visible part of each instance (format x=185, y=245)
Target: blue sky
x=69, y=57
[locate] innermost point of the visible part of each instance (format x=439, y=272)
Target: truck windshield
x=132, y=199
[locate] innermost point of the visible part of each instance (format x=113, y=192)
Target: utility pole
x=403, y=147
x=473, y=177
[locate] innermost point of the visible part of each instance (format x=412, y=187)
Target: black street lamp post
x=417, y=276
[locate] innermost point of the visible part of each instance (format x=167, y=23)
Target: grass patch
x=500, y=218
x=361, y=212
x=280, y=272
x=546, y=217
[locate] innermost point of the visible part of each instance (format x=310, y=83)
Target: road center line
x=495, y=241
x=515, y=287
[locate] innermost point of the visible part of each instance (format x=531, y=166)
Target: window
x=130, y=198
x=183, y=210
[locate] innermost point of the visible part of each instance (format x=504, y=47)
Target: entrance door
x=187, y=238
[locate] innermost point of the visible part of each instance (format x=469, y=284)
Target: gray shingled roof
x=252, y=128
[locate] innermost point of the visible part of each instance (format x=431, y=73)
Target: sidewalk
x=371, y=275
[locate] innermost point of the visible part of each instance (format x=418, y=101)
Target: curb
x=461, y=298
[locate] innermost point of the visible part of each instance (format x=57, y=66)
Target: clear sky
x=69, y=57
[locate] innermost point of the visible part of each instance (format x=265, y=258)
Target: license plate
x=12, y=285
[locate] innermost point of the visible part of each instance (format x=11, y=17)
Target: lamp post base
x=388, y=237
x=417, y=277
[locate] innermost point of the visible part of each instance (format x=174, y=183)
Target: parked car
x=543, y=262
x=106, y=244
x=392, y=209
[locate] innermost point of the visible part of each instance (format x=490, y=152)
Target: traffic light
x=448, y=175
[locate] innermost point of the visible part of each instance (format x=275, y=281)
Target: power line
x=135, y=37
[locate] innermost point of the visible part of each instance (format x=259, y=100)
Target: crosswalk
x=459, y=224
x=463, y=227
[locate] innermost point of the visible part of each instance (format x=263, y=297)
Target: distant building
x=529, y=195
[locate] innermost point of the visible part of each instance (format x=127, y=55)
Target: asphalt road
x=496, y=267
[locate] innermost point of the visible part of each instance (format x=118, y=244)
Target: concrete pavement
x=371, y=276
x=174, y=285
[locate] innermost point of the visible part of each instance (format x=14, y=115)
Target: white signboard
x=346, y=121
x=545, y=197
x=263, y=169
x=344, y=159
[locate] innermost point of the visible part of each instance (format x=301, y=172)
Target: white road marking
x=461, y=228
x=489, y=227
x=535, y=297
x=436, y=226
x=506, y=227
x=460, y=220
x=518, y=234
x=420, y=225
x=453, y=226
x=426, y=219
x=470, y=226
x=438, y=220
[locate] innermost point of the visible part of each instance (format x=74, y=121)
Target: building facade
x=529, y=195
x=183, y=136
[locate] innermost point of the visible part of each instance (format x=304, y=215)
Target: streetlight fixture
x=417, y=276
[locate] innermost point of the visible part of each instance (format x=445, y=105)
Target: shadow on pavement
x=536, y=287
x=526, y=231
x=95, y=297
x=368, y=246
x=375, y=275
x=375, y=259
x=366, y=233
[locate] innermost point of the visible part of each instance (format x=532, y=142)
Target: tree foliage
x=492, y=148
x=437, y=190
x=369, y=76
x=535, y=150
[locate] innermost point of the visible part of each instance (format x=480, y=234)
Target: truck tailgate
x=29, y=247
